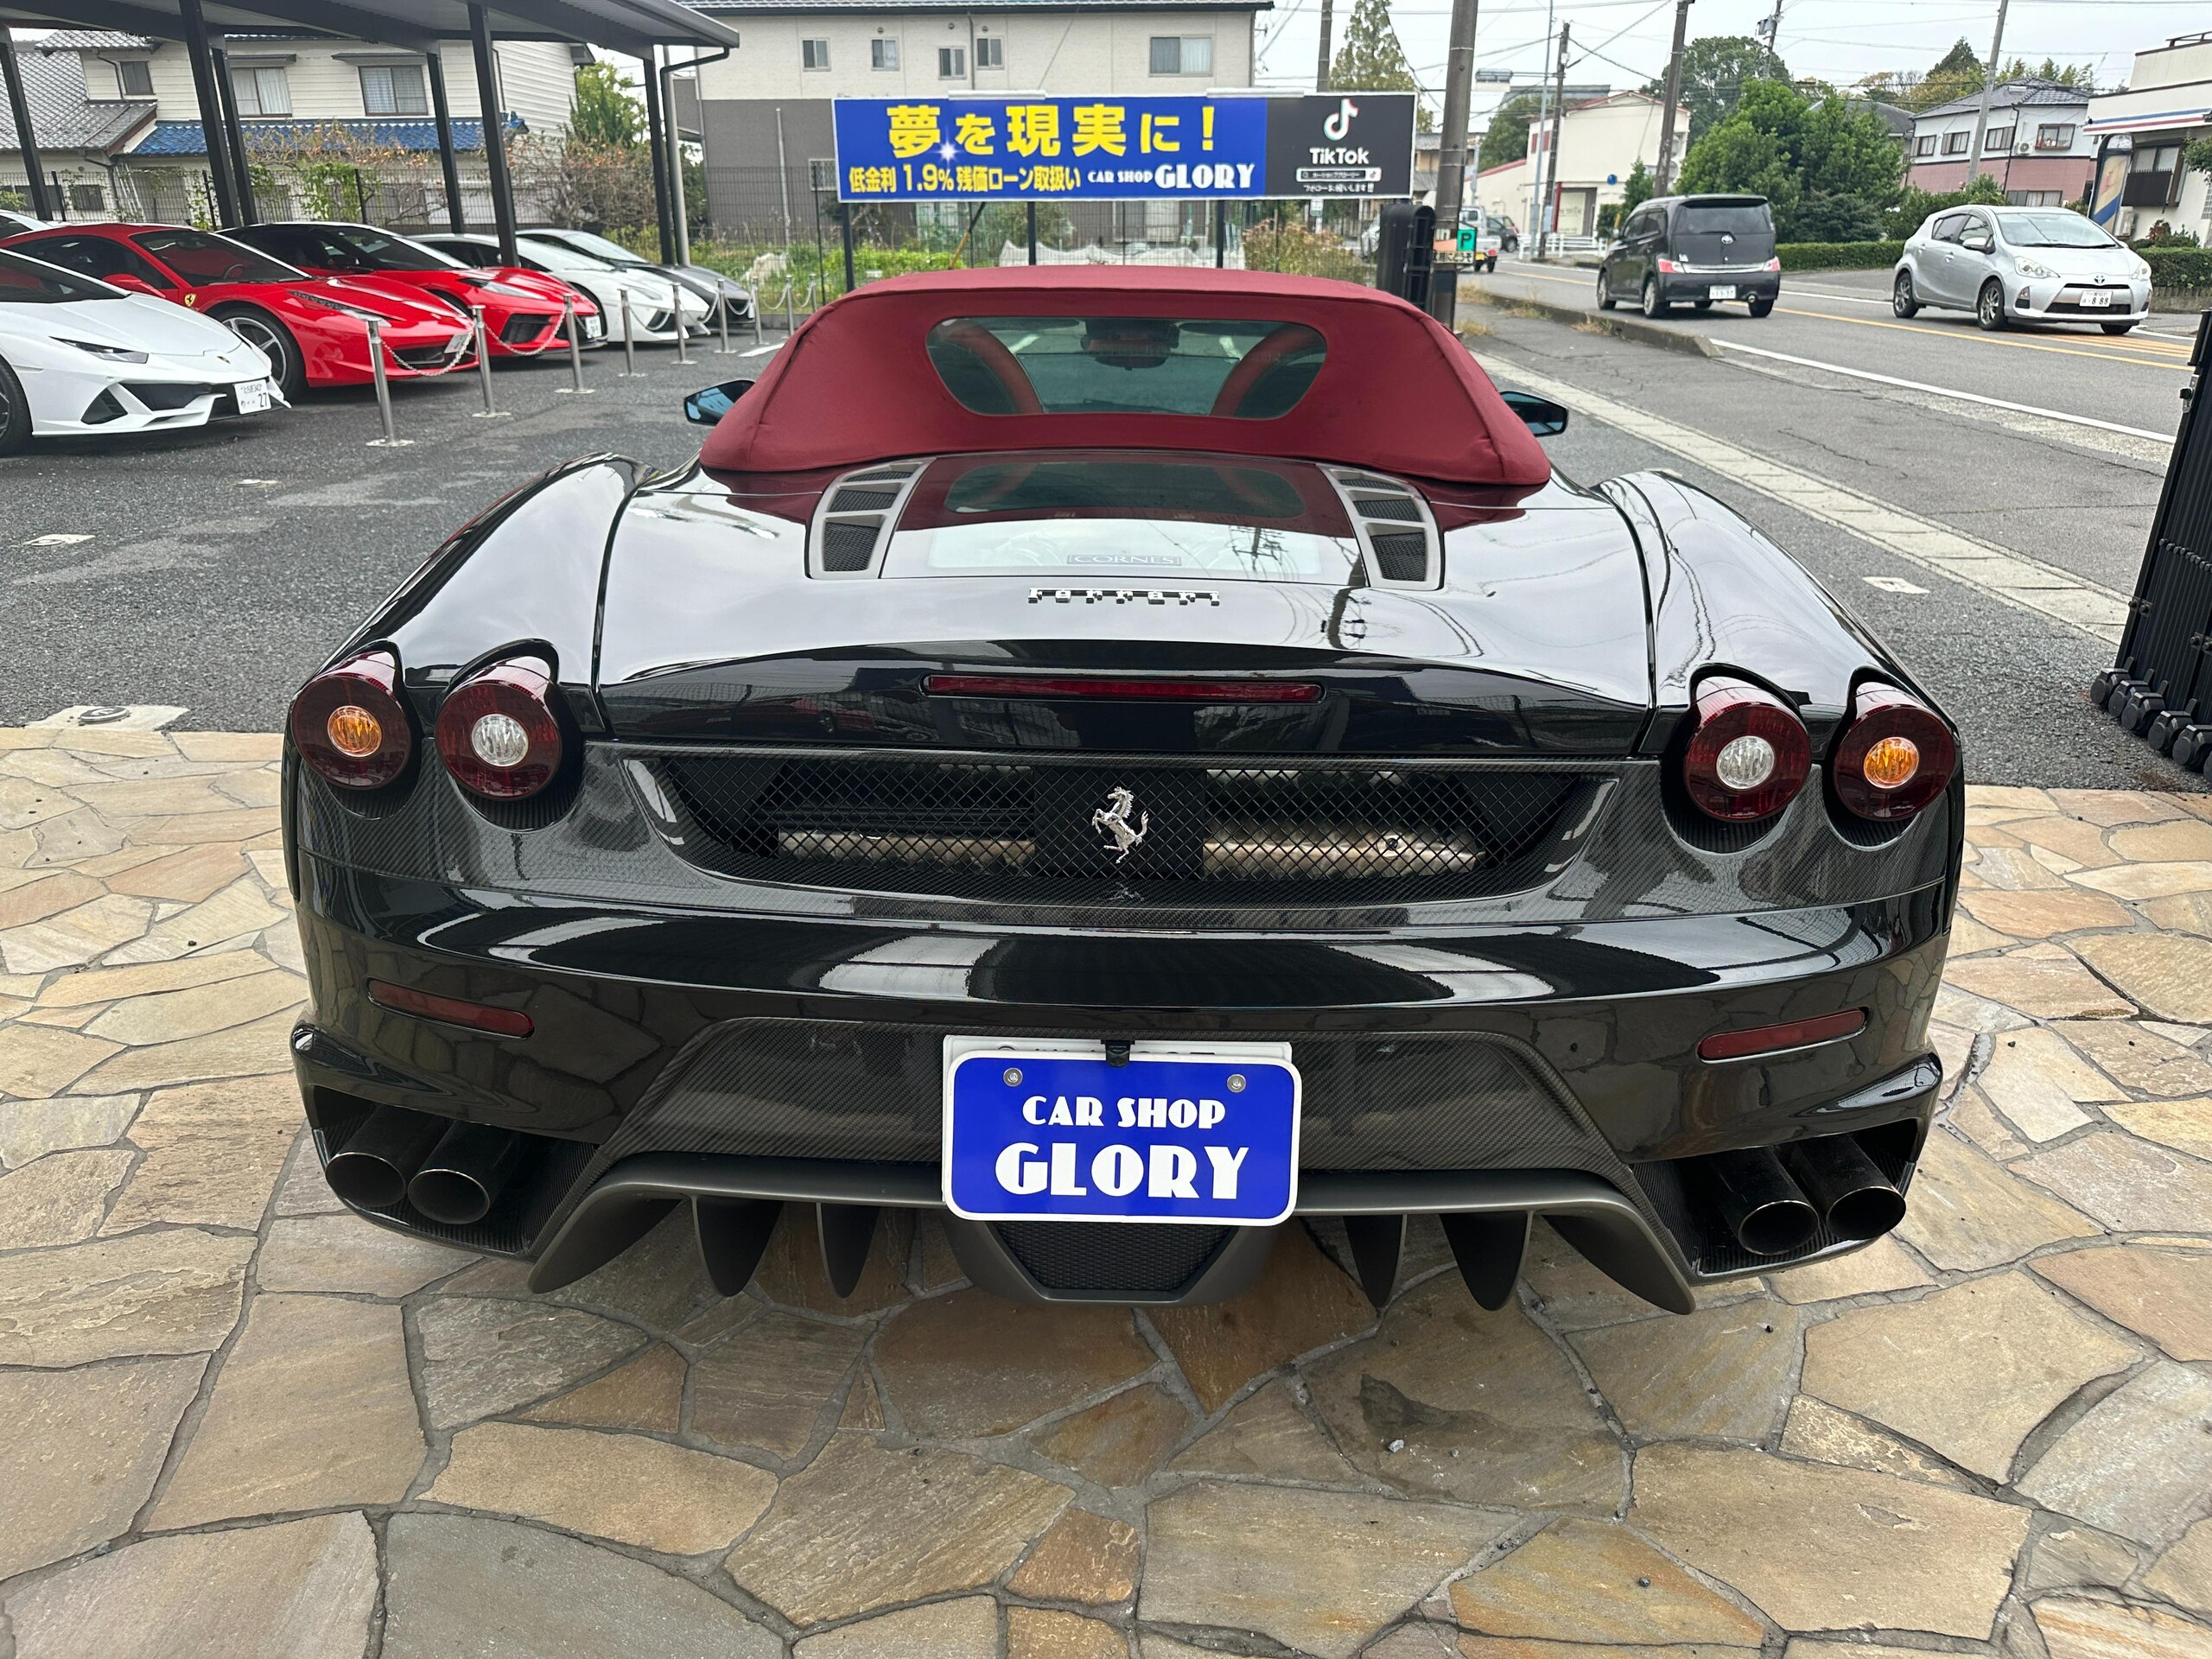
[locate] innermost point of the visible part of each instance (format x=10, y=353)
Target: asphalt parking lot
x=214, y=570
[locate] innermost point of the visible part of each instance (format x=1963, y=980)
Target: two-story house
x=1600, y=141
x=765, y=110
x=2141, y=133
x=2035, y=144
x=311, y=96
x=79, y=134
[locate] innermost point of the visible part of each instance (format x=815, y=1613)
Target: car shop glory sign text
x=1233, y=145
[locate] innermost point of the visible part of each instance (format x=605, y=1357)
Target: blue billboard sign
x=1028, y=148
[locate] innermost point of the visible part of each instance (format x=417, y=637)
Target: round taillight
x=1749, y=755
x=348, y=722
x=1896, y=755
x=498, y=734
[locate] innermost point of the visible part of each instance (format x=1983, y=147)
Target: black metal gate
x=2161, y=686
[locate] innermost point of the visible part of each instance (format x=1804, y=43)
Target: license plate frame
x=251, y=396
x=1720, y=291
x=2096, y=299
x=1059, y=1176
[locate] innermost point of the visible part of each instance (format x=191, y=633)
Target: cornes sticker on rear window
x=1250, y=370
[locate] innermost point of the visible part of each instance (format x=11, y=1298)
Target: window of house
x=262, y=92
x=134, y=77
x=814, y=55
x=951, y=62
x=1954, y=143
x=87, y=199
x=394, y=89
x=882, y=54
x=990, y=53
x=2054, y=137
x=2033, y=199
x=1183, y=54
x=1997, y=138
x=1924, y=145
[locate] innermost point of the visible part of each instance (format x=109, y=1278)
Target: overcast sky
x=1624, y=43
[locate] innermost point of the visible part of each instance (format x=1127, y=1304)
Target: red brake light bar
x=1119, y=690
x=1772, y=1040
x=477, y=1016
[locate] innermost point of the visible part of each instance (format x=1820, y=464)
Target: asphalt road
x=1844, y=318
x=216, y=570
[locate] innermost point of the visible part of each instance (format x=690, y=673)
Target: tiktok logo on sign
x=1338, y=126
x=1212, y=1139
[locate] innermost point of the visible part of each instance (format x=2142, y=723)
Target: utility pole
x=1451, y=155
x=1321, y=67
x=1774, y=33
x=1988, y=91
x=1559, y=131
x=1541, y=129
x=1663, y=175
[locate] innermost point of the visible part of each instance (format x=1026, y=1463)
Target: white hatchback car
x=2021, y=264
x=78, y=356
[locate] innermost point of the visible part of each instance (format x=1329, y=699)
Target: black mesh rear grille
x=1402, y=557
x=847, y=547
x=1143, y=1258
x=1388, y=506
x=1310, y=832
x=876, y=500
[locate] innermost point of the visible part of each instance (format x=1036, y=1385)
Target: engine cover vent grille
x=1101, y=831
x=855, y=519
x=1396, y=532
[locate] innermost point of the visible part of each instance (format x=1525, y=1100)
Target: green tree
x=1636, y=189
x=1506, y=138
x=604, y=116
x=1828, y=170
x=1372, y=60
x=1715, y=70
x=1957, y=73
x=2083, y=75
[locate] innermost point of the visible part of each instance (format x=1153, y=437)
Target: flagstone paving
x=238, y=1420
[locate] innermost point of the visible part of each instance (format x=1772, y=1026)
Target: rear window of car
x=22, y=282
x=1154, y=489
x=1729, y=218
x=200, y=258
x=1252, y=370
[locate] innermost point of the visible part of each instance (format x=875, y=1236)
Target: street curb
x=1635, y=328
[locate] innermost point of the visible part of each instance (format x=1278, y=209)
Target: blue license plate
x=1177, y=1134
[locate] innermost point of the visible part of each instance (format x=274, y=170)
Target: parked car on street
x=702, y=280
x=78, y=355
x=654, y=302
x=1122, y=758
x=311, y=329
x=1699, y=251
x=522, y=309
x=2011, y=265
x=15, y=223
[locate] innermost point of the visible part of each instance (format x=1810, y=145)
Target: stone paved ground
x=236, y=1420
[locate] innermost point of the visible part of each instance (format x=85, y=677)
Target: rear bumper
x=718, y=1060
x=1686, y=288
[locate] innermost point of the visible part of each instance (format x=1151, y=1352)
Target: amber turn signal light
x=1896, y=755
x=349, y=724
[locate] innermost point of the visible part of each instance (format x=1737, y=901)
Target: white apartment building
x=2036, y=144
x=1600, y=142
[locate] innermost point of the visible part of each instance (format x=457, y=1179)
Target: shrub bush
x=2179, y=267
x=1838, y=256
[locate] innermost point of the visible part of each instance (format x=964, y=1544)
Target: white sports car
x=653, y=300
x=78, y=356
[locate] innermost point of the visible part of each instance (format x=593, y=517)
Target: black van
x=1693, y=249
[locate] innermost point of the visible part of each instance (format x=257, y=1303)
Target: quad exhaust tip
x=465, y=1173
x=1777, y=1203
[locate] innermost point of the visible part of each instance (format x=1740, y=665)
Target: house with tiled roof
x=354, y=115
x=78, y=135
x=2035, y=145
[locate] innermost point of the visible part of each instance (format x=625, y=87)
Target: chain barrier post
x=755, y=297
x=790, y=321
x=483, y=364
x=723, y=309
x=576, y=388
x=676, y=315
x=629, y=341
x=390, y=439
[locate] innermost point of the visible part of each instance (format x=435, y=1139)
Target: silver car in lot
x=2021, y=264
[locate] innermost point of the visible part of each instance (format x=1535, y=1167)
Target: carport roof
x=634, y=27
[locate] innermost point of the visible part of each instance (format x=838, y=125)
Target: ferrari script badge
x=1114, y=820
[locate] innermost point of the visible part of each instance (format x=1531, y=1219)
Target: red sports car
x=313, y=329
x=522, y=309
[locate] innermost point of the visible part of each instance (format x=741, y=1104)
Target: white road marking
x=1893, y=584
x=127, y=717
x=1945, y=391
x=56, y=541
x=2014, y=579
x=763, y=350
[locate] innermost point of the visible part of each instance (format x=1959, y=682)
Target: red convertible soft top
x=1394, y=389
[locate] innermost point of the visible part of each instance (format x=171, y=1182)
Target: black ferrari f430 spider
x=1125, y=760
